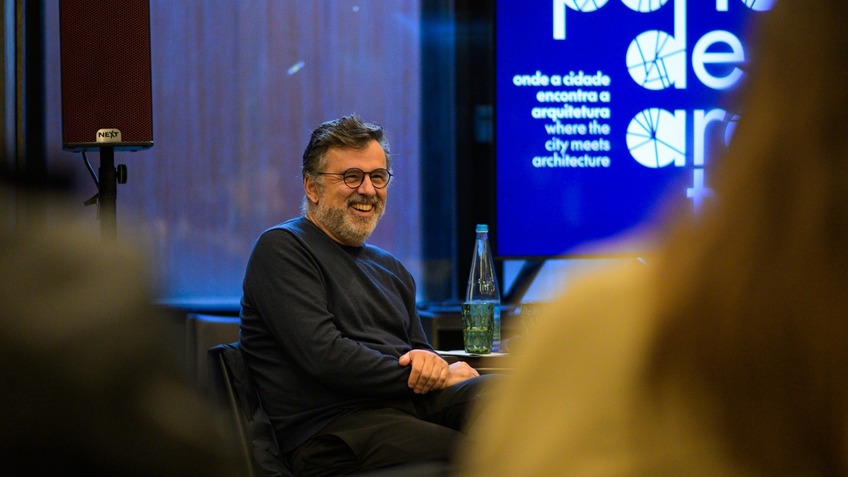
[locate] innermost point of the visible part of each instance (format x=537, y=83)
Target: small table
x=483, y=363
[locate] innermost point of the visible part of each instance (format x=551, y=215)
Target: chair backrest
x=203, y=332
x=229, y=379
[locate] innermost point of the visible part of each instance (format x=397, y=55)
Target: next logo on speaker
x=109, y=135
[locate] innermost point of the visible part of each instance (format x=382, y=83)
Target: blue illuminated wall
x=237, y=88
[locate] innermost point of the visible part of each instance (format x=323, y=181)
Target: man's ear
x=312, y=189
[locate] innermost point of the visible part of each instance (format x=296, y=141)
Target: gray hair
x=347, y=132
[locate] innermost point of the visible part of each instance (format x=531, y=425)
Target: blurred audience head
x=92, y=384
x=755, y=290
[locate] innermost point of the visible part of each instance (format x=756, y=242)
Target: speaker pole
x=108, y=194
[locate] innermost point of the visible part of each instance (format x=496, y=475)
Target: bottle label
x=486, y=287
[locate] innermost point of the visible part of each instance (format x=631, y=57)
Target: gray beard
x=350, y=229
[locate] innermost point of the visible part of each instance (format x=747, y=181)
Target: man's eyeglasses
x=353, y=178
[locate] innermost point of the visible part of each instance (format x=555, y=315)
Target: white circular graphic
x=759, y=5
x=585, y=5
x=657, y=138
x=644, y=5
x=656, y=61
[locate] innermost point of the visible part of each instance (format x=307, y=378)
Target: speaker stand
x=107, y=191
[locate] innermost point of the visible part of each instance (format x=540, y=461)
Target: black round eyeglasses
x=354, y=177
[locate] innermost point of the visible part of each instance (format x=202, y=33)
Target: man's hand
x=459, y=372
x=429, y=371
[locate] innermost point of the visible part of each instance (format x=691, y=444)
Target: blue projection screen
x=606, y=107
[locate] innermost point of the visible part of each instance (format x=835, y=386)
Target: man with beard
x=329, y=326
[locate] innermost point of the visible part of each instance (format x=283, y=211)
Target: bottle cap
x=482, y=228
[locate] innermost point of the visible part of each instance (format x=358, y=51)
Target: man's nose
x=367, y=187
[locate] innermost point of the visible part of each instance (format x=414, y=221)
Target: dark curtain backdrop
x=237, y=87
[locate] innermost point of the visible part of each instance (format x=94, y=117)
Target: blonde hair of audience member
x=91, y=380
x=756, y=307
x=733, y=338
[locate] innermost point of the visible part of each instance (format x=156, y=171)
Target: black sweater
x=322, y=327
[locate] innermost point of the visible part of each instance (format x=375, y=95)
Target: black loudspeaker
x=106, y=79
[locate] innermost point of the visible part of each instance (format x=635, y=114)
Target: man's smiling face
x=347, y=215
